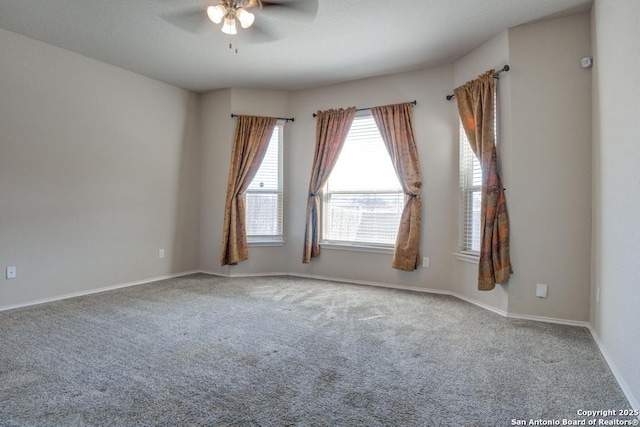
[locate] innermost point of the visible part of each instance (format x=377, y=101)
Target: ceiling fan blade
x=257, y=34
x=306, y=8
x=192, y=20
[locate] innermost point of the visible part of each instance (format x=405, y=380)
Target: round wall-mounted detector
x=587, y=62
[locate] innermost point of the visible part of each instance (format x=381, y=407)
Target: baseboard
x=368, y=283
x=635, y=404
x=213, y=273
x=549, y=320
x=302, y=275
x=257, y=275
x=441, y=292
x=95, y=291
x=480, y=304
x=229, y=275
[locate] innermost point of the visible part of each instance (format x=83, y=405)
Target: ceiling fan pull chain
x=231, y=44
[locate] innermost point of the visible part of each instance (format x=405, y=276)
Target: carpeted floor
x=275, y=351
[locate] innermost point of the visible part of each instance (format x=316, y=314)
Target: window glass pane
x=363, y=198
x=267, y=177
x=364, y=163
x=263, y=198
x=474, y=239
x=470, y=185
x=367, y=218
x=475, y=171
x=263, y=214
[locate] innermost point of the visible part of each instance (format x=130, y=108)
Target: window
x=471, y=190
x=263, y=198
x=470, y=193
x=363, y=199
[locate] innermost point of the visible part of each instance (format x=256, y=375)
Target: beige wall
x=549, y=167
x=545, y=163
x=98, y=171
x=493, y=54
x=216, y=133
x=217, y=130
x=616, y=187
x=436, y=148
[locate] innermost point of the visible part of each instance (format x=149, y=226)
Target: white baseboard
x=635, y=404
x=414, y=289
x=229, y=275
x=213, y=273
x=308, y=276
x=480, y=304
x=549, y=320
x=368, y=283
x=97, y=290
x=257, y=275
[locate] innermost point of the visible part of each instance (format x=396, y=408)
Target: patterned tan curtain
x=475, y=105
x=395, y=123
x=249, y=147
x=332, y=128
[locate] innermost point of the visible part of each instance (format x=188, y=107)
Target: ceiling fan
x=230, y=10
x=257, y=18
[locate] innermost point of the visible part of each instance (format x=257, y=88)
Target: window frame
x=352, y=245
x=468, y=161
x=271, y=240
x=466, y=191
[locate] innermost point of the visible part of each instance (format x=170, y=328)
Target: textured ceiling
x=171, y=41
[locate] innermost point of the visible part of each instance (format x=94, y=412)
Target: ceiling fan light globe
x=216, y=13
x=246, y=18
x=229, y=26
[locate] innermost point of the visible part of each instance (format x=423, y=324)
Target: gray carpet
x=209, y=351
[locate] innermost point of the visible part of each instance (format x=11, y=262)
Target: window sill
x=474, y=259
x=265, y=243
x=357, y=248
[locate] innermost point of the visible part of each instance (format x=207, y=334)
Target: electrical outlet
x=11, y=272
x=160, y=253
x=541, y=290
x=425, y=262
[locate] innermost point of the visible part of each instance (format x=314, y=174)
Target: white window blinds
x=363, y=199
x=470, y=193
x=263, y=198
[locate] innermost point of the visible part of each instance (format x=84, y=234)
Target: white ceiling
x=171, y=41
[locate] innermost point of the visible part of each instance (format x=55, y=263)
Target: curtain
x=395, y=123
x=332, y=128
x=476, y=107
x=249, y=147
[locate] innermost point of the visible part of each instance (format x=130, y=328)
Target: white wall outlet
x=541, y=290
x=160, y=253
x=425, y=262
x=11, y=272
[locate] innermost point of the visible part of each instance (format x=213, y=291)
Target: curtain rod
x=369, y=108
x=286, y=119
x=496, y=75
